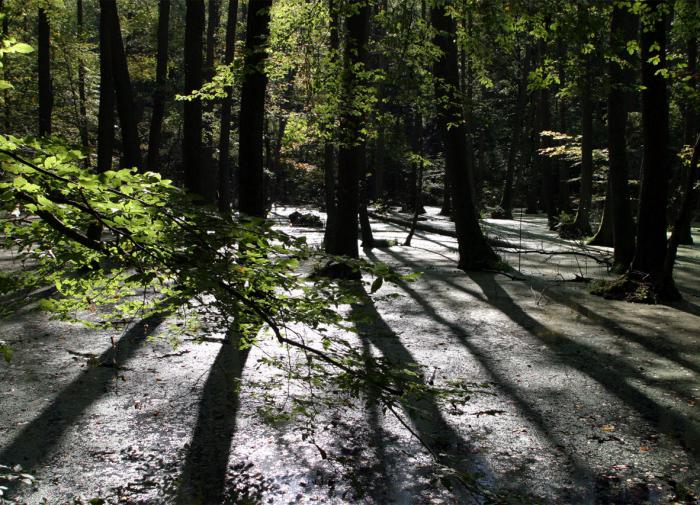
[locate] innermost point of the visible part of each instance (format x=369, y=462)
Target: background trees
x=531, y=105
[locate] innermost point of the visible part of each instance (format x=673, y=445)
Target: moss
x=626, y=288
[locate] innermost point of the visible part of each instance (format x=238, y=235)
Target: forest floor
x=569, y=398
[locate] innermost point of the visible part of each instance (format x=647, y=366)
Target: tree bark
x=195, y=174
x=352, y=146
x=213, y=19
x=544, y=123
x=105, y=121
x=44, y=67
x=516, y=138
x=225, y=172
x=159, y=95
x=82, y=98
x=582, y=222
x=131, y=149
x=251, y=181
x=623, y=28
x=329, y=158
x=474, y=251
x=650, y=250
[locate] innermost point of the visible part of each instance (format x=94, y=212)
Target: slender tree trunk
x=44, y=66
x=195, y=174
x=650, y=251
x=446, y=209
x=516, y=138
x=544, y=123
x=225, y=171
x=131, y=148
x=623, y=28
x=82, y=98
x=105, y=120
x=582, y=223
x=563, y=166
x=161, y=85
x=474, y=251
x=5, y=93
x=690, y=113
x=688, y=205
x=251, y=185
x=352, y=147
x=213, y=19
x=329, y=158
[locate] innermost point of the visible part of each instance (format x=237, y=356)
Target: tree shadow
x=36, y=441
x=422, y=409
x=203, y=476
x=609, y=371
x=582, y=473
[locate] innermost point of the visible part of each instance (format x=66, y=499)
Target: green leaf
x=377, y=284
x=21, y=47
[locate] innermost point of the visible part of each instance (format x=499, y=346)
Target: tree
x=192, y=129
x=622, y=29
x=225, y=172
x=251, y=193
x=44, y=66
x=351, y=152
x=105, y=120
x=474, y=250
x=650, y=250
x=159, y=94
x=82, y=97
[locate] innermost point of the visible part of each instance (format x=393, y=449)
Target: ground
x=569, y=398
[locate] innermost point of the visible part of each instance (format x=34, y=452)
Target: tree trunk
x=690, y=113
x=604, y=235
x=44, y=67
x=225, y=172
x=5, y=93
x=582, y=223
x=195, y=174
x=516, y=138
x=251, y=184
x=688, y=205
x=131, y=149
x=154, y=139
x=623, y=28
x=82, y=109
x=544, y=123
x=352, y=147
x=105, y=121
x=650, y=251
x=474, y=251
x=329, y=159
x=213, y=19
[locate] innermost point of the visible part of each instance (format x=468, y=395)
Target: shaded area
x=203, y=479
x=35, y=442
x=423, y=411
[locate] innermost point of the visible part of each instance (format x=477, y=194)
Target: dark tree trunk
x=582, y=222
x=650, y=251
x=604, y=235
x=329, y=158
x=82, y=99
x=225, y=172
x=352, y=147
x=690, y=113
x=154, y=139
x=688, y=205
x=547, y=170
x=474, y=251
x=44, y=66
x=5, y=93
x=131, y=149
x=213, y=19
x=563, y=166
x=105, y=120
x=446, y=209
x=516, y=138
x=251, y=193
x=195, y=174
x=623, y=28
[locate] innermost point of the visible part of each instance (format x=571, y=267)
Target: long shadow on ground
x=422, y=409
x=611, y=372
x=36, y=441
x=203, y=479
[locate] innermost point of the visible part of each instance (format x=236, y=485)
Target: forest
x=349, y=252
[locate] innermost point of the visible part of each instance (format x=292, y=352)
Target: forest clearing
x=349, y=252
